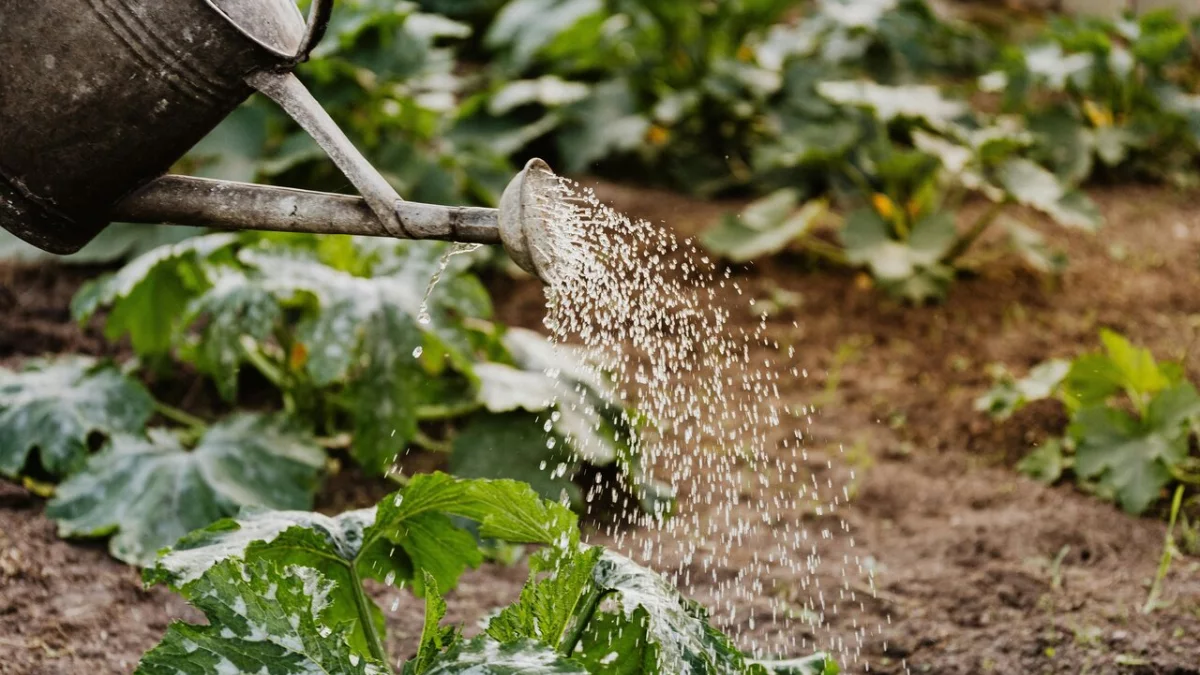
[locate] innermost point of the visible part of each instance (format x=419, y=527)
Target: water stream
x=656, y=314
x=454, y=249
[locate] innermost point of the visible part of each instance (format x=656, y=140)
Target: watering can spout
x=99, y=102
x=521, y=224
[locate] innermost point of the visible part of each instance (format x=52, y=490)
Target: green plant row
x=825, y=100
x=344, y=337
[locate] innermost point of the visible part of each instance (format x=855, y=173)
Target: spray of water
x=649, y=311
x=457, y=248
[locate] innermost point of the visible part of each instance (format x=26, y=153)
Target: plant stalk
x=269, y=370
x=964, y=242
x=1164, y=564
x=425, y=442
x=363, y=605
x=825, y=250
x=591, y=602
x=176, y=415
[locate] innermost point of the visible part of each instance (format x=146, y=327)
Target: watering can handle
x=286, y=90
x=318, y=20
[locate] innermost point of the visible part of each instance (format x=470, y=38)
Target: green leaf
x=912, y=102
x=407, y=536
x=574, y=401
x=365, y=333
x=1032, y=247
x=514, y=445
x=484, y=656
x=1050, y=65
x=434, y=638
x=553, y=379
x=616, y=644
x=526, y=26
x=1046, y=463
x=1132, y=459
x=1140, y=373
x=149, y=296
x=817, y=664
x=54, y=406
x=911, y=269
x=151, y=491
x=550, y=91
x=1094, y=378
x=513, y=512
x=1113, y=144
x=751, y=236
x=288, y=538
x=234, y=308
x=767, y=213
x=1009, y=395
x=551, y=602
x=262, y=619
x=679, y=628
x=606, y=123
x=1034, y=186
x=1069, y=144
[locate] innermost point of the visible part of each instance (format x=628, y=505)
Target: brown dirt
x=35, y=310
x=965, y=548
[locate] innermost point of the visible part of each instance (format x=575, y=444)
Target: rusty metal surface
x=183, y=200
x=99, y=97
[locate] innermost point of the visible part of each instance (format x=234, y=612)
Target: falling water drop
x=423, y=316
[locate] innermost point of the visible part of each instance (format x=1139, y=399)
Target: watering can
x=99, y=98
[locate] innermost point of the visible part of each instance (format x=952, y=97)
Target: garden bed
x=979, y=569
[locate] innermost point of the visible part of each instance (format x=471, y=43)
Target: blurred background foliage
x=890, y=113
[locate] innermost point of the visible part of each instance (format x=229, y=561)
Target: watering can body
x=99, y=97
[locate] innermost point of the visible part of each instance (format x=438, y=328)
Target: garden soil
x=978, y=569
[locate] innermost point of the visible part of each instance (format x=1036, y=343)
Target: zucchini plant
x=692, y=92
x=283, y=593
x=918, y=158
x=1112, y=96
x=1132, y=422
x=344, y=333
x=146, y=486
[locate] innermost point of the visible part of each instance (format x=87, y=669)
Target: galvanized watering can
x=98, y=98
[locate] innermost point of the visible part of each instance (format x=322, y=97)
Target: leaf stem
x=823, y=249
x=1164, y=564
x=363, y=605
x=425, y=442
x=176, y=415
x=966, y=240
x=264, y=365
x=591, y=602
x=431, y=413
